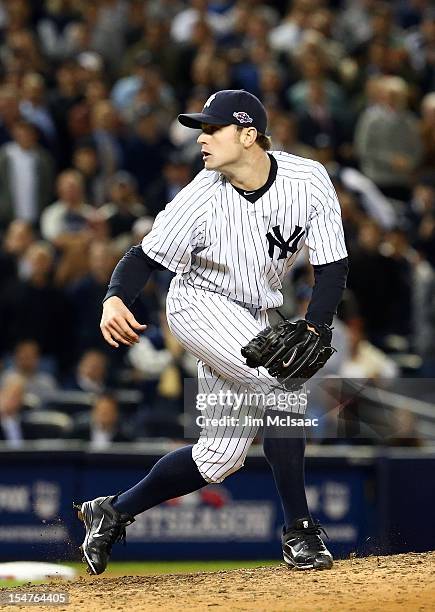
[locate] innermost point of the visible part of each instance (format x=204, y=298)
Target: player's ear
x=249, y=136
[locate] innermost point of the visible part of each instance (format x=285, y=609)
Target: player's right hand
x=118, y=323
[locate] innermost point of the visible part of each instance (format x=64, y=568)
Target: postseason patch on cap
x=242, y=117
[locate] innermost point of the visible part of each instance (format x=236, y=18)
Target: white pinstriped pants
x=214, y=328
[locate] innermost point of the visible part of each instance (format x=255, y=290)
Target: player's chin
x=209, y=163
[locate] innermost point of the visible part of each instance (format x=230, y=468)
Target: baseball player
x=230, y=236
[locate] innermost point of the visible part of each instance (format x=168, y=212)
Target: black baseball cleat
x=303, y=547
x=104, y=526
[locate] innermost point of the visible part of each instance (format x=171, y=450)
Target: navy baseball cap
x=229, y=107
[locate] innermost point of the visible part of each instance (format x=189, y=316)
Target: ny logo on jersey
x=278, y=241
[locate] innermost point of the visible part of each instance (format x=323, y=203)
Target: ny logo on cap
x=242, y=117
x=210, y=100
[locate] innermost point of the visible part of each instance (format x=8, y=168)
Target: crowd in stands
x=91, y=151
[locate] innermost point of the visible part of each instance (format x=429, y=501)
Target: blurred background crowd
x=91, y=151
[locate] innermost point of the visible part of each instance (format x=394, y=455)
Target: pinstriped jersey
x=215, y=239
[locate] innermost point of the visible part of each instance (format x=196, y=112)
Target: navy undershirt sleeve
x=329, y=284
x=131, y=275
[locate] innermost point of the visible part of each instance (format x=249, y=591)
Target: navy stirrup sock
x=286, y=458
x=173, y=475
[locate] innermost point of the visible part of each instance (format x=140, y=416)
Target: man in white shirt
x=26, y=176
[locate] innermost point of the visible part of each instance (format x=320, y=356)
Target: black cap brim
x=195, y=120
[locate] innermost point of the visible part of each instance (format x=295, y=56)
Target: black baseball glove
x=290, y=352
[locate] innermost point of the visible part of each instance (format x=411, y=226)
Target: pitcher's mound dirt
x=400, y=582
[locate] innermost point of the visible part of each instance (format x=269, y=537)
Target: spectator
x=52, y=26
x=91, y=374
x=313, y=67
x=421, y=217
x=324, y=21
x=427, y=131
x=368, y=270
x=202, y=38
x=425, y=328
x=77, y=39
x=154, y=48
x=176, y=174
x=33, y=108
x=153, y=94
x=64, y=96
x=18, y=238
x=90, y=67
x=401, y=282
x=18, y=15
x=86, y=295
x=85, y=160
x=26, y=176
x=382, y=26
x=27, y=363
x=182, y=137
x=107, y=22
x=420, y=43
x=142, y=90
x=136, y=18
x=96, y=90
x=102, y=427
x=395, y=263
x=347, y=416
x=32, y=308
x=283, y=131
x=319, y=126
x=351, y=212
x=246, y=74
x=287, y=35
x=211, y=69
x=387, y=141
x=353, y=23
x=21, y=54
x=105, y=137
x=163, y=8
x=366, y=361
x=9, y=112
x=124, y=207
x=272, y=84
x=160, y=364
x=148, y=141
x=184, y=22
x=69, y=214
x=13, y=428
x=405, y=430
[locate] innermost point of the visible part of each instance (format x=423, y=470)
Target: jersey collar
x=253, y=196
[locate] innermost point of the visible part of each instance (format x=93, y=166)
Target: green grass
x=176, y=567
x=5, y=584
x=147, y=568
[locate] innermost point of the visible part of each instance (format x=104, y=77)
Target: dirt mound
x=400, y=582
